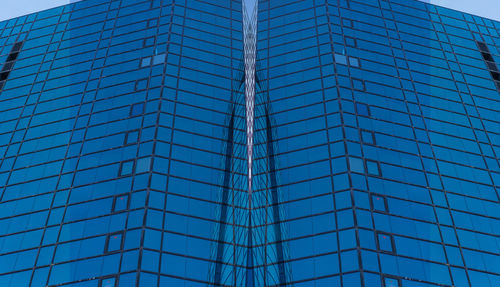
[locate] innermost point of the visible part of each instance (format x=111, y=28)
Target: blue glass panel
x=367, y=137
x=148, y=42
x=378, y=202
x=353, y=62
x=390, y=282
x=152, y=23
x=372, y=167
x=385, y=242
x=137, y=109
x=356, y=164
x=340, y=59
x=362, y=109
x=114, y=242
x=358, y=84
x=159, y=59
x=121, y=202
x=146, y=61
x=349, y=41
x=141, y=84
x=109, y=282
x=127, y=167
x=132, y=137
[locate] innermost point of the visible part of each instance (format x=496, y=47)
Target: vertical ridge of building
x=249, y=44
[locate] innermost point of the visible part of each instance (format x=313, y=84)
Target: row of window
x=490, y=63
x=348, y=24
x=9, y=63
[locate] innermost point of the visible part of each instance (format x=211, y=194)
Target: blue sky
x=15, y=8
x=485, y=8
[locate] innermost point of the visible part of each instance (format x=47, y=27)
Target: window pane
x=108, y=282
x=391, y=282
x=362, y=109
x=385, y=242
x=132, y=137
x=356, y=164
x=159, y=59
x=146, y=62
x=354, y=62
x=367, y=137
x=114, y=242
x=340, y=59
x=137, y=109
x=121, y=202
x=378, y=203
x=372, y=167
x=127, y=167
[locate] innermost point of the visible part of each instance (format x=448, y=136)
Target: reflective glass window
x=385, y=242
x=350, y=42
x=152, y=23
x=391, y=282
x=114, y=242
x=148, y=42
x=159, y=59
x=120, y=202
x=362, y=109
x=143, y=165
x=127, y=167
x=141, y=84
x=373, y=167
x=379, y=202
x=137, y=109
x=358, y=84
x=340, y=59
x=356, y=164
x=367, y=137
x=108, y=282
x=146, y=62
x=354, y=62
x=347, y=23
x=132, y=137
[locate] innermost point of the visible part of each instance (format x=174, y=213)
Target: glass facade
x=386, y=115
x=179, y=143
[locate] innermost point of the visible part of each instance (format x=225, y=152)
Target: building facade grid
x=375, y=145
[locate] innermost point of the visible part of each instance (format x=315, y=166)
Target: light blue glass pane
x=390, y=282
x=110, y=282
x=372, y=167
x=114, y=242
x=127, y=167
x=121, y=202
x=340, y=59
x=385, y=242
x=159, y=59
x=353, y=62
x=146, y=62
x=143, y=165
x=356, y=164
x=362, y=109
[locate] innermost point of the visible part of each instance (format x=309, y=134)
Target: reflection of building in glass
x=129, y=127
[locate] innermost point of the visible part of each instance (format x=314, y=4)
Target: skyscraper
x=198, y=143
